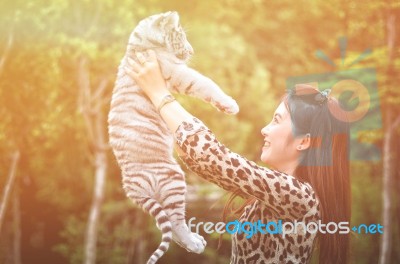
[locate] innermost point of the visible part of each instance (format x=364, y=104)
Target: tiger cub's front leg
x=185, y=80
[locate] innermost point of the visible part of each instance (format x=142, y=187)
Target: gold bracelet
x=166, y=100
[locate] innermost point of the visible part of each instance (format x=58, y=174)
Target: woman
x=306, y=144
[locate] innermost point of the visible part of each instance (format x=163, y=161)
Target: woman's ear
x=305, y=142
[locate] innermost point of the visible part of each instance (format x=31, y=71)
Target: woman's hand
x=148, y=76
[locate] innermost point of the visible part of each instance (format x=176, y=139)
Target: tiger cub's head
x=162, y=31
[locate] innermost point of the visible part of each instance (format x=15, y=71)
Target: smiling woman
x=306, y=148
x=281, y=150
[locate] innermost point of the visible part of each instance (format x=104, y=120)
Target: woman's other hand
x=148, y=76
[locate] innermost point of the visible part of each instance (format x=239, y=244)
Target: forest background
x=61, y=195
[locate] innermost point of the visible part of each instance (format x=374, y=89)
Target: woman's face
x=280, y=147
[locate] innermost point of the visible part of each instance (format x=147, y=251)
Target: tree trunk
x=7, y=190
x=385, y=247
x=388, y=152
x=91, y=232
x=16, y=227
x=6, y=52
x=141, y=243
x=90, y=107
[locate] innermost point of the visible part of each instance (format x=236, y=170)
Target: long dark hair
x=325, y=164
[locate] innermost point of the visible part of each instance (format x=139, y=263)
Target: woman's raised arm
x=149, y=78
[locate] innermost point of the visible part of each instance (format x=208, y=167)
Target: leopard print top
x=278, y=197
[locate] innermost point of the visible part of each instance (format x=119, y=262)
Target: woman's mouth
x=267, y=144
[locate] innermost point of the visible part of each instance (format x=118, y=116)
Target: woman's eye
x=275, y=120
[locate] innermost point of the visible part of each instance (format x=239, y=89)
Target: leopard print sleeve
x=211, y=160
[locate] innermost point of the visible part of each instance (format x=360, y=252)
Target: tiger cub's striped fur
x=140, y=139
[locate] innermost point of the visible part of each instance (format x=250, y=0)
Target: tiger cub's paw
x=192, y=242
x=197, y=243
x=226, y=105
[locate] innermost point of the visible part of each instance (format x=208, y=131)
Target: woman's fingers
x=149, y=57
x=152, y=56
x=146, y=72
x=141, y=58
x=135, y=67
x=131, y=73
x=146, y=69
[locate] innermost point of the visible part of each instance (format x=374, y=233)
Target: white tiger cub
x=140, y=139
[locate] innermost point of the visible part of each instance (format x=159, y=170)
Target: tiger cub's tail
x=154, y=208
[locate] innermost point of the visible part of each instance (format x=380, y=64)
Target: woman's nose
x=264, y=131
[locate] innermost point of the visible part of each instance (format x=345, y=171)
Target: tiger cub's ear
x=170, y=20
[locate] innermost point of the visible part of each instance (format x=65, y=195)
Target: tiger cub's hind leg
x=173, y=197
